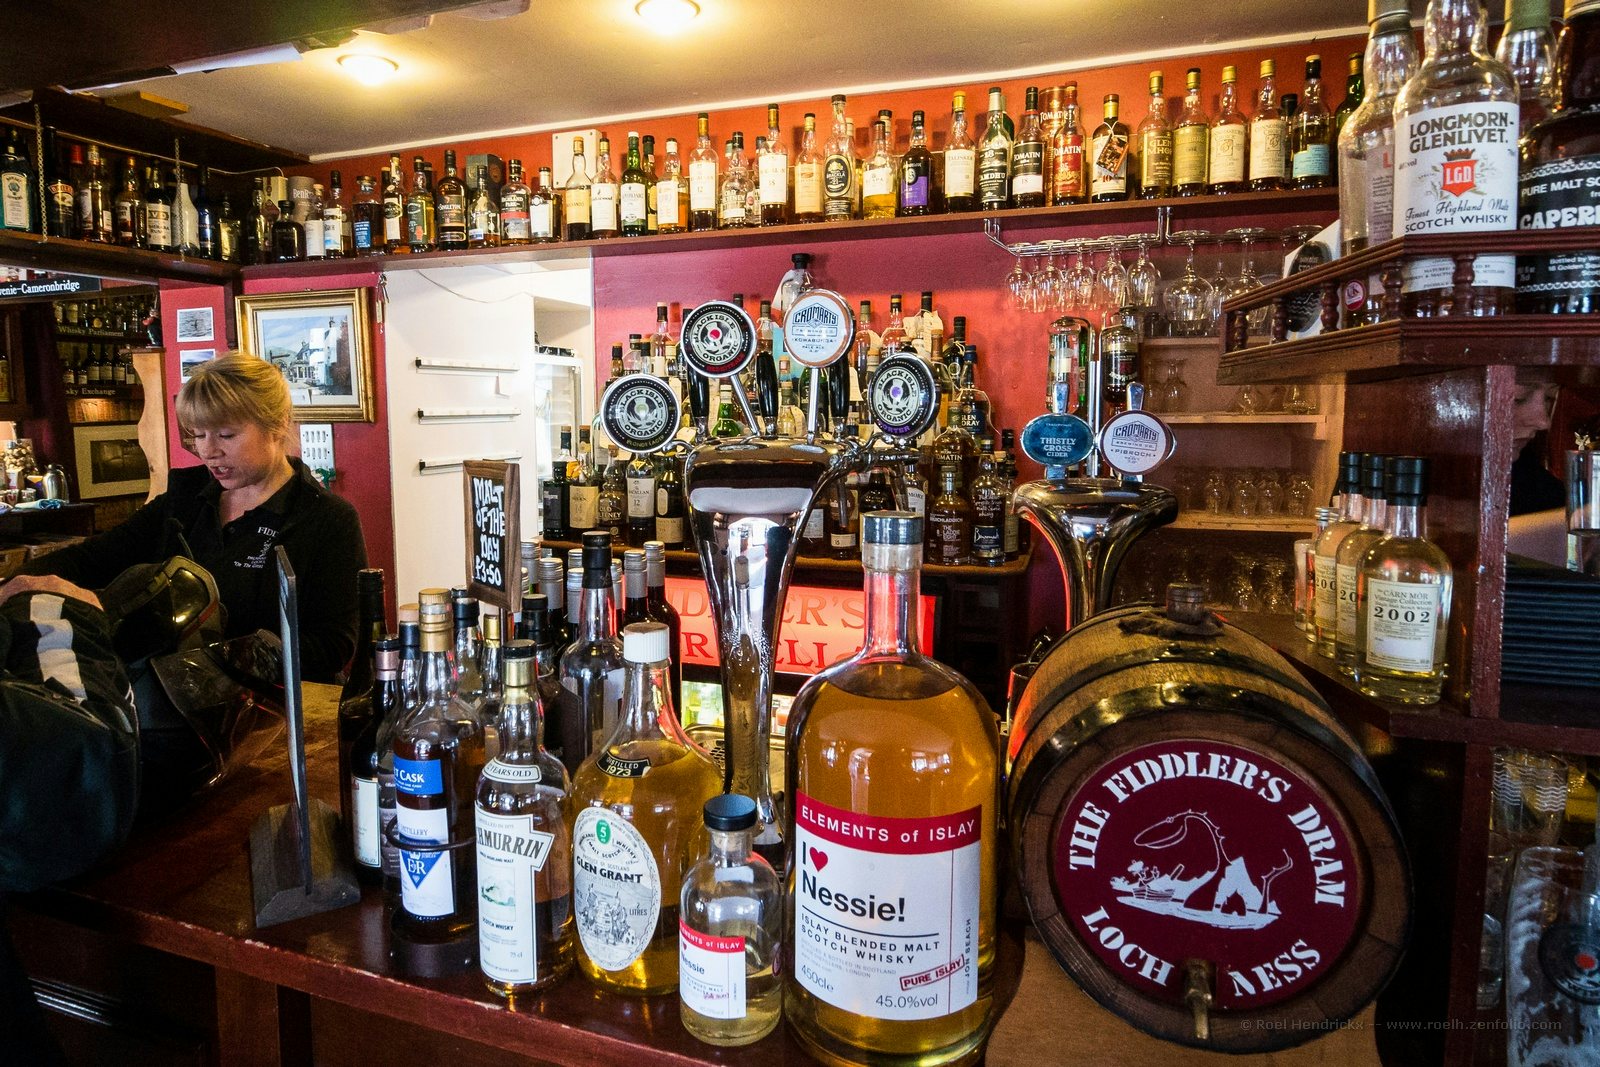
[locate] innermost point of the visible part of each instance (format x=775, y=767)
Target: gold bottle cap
x=1268, y=68
x=1229, y=75
x=959, y=103
x=1156, y=82
x=434, y=596
x=490, y=625
x=1354, y=60
x=516, y=669
x=1381, y=9
x=1192, y=79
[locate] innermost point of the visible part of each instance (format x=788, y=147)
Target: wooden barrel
x=1202, y=846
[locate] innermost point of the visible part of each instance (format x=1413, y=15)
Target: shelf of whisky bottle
x=1193, y=210
x=1552, y=718
x=688, y=558
x=70, y=256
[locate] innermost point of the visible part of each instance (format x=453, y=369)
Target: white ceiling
x=566, y=63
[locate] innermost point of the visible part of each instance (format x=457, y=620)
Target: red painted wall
x=360, y=450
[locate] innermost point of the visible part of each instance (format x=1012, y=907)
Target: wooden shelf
x=1232, y=418
x=1203, y=520
x=70, y=256
x=1188, y=208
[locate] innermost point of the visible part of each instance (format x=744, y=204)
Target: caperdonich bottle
x=892, y=780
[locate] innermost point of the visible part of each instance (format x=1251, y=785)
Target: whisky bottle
x=1230, y=139
x=156, y=210
x=651, y=179
x=672, y=193
x=575, y=197
x=94, y=201
x=356, y=714
x=669, y=506
x=1354, y=90
x=545, y=213
x=436, y=775
x=1403, y=599
x=1527, y=50
x=960, y=161
x=878, y=177
x=772, y=174
x=1268, y=143
x=1108, y=162
x=1191, y=141
x=603, y=194
x=658, y=609
x=525, y=924
x=516, y=227
x=841, y=190
x=1564, y=146
x=450, y=206
x=841, y=520
x=733, y=197
x=892, y=770
x=1067, y=181
x=730, y=925
x=703, y=184
x=994, y=156
x=288, y=236
x=336, y=228
x=914, y=195
x=1456, y=129
x=60, y=200
x=641, y=493
x=808, y=171
x=636, y=829
x=1155, y=144
x=591, y=667
x=1324, y=554
x=1366, y=144
x=125, y=207
x=377, y=861
x=633, y=193
x=949, y=522
x=483, y=213
x=366, y=222
x=1347, y=559
x=392, y=195
x=583, y=490
x=553, y=492
x=612, y=503
x=16, y=189
x=316, y=247
x=467, y=700
x=1119, y=350
x=419, y=210
x=1310, y=154
x=1028, y=155
x=989, y=500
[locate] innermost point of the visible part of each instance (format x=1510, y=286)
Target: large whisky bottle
x=637, y=828
x=893, y=791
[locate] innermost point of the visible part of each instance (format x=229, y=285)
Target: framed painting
x=322, y=343
x=109, y=460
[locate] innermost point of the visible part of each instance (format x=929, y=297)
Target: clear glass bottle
x=591, y=667
x=989, y=500
x=1527, y=49
x=1230, y=140
x=1155, y=144
x=1347, y=559
x=1311, y=135
x=636, y=831
x=1067, y=181
x=1028, y=155
x=808, y=170
x=994, y=156
x=483, y=212
x=575, y=197
x=450, y=206
x=1324, y=554
x=1354, y=92
x=516, y=220
x=1191, y=140
x=1366, y=144
x=367, y=822
x=1108, y=161
x=733, y=199
x=1460, y=100
x=892, y=741
x=603, y=194
x=613, y=500
x=878, y=177
x=525, y=925
x=703, y=183
x=730, y=924
x=545, y=211
x=772, y=174
x=336, y=226
x=356, y=718
x=672, y=193
x=960, y=161
x=437, y=758
x=1268, y=134
x=1403, y=598
x=841, y=189
x=640, y=479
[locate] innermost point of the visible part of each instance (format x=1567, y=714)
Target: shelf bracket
x=468, y=414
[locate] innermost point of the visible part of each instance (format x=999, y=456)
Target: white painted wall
x=485, y=315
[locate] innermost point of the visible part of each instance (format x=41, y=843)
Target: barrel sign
x=1195, y=849
x=494, y=567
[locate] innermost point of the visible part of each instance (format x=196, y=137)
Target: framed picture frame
x=321, y=342
x=110, y=461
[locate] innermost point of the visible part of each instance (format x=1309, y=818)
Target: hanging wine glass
x=1047, y=284
x=1144, y=284
x=1080, y=283
x=1016, y=287
x=1188, y=300
x=1247, y=278
x=1113, y=279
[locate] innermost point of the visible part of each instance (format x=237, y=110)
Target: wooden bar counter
x=155, y=959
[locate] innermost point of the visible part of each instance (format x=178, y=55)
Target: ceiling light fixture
x=667, y=15
x=367, y=68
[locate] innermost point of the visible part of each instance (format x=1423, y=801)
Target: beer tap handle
x=700, y=403
x=839, y=393
x=767, y=393
x=813, y=403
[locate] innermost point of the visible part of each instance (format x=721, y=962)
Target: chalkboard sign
x=494, y=505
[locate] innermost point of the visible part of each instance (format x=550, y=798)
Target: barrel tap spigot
x=1198, y=982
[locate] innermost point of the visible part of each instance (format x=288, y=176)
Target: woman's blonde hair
x=233, y=389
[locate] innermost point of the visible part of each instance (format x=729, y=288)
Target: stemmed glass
x=1017, y=287
x=1144, y=281
x=1080, y=283
x=1220, y=289
x=1171, y=396
x=1113, y=278
x=1047, y=285
x=1247, y=278
x=1188, y=299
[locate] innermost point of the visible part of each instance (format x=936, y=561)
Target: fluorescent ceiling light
x=367, y=68
x=667, y=15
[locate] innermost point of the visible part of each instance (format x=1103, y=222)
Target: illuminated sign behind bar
x=821, y=626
